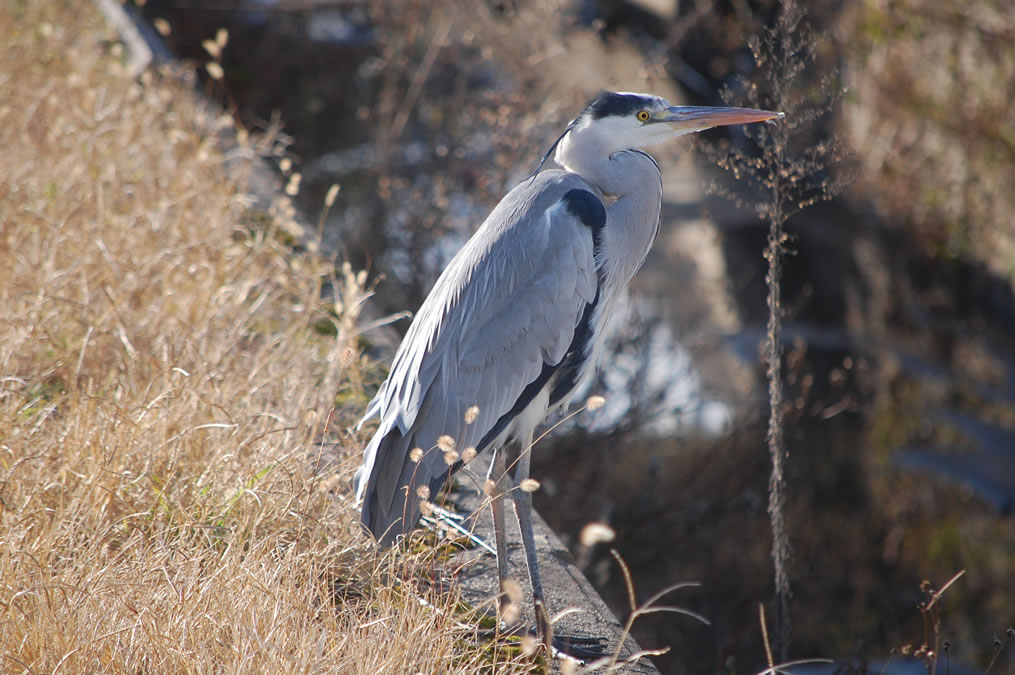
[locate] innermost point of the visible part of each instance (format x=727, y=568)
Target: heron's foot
x=544, y=629
x=580, y=647
x=583, y=648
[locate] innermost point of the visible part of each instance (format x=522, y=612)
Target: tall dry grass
x=162, y=378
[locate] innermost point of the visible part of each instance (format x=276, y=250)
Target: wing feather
x=506, y=306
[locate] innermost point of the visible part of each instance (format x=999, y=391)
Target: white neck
x=633, y=179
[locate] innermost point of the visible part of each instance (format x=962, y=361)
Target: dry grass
x=931, y=88
x=162, y=380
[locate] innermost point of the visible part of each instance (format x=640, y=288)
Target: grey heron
x=517, y=321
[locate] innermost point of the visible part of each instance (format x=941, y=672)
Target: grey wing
x=501, y=316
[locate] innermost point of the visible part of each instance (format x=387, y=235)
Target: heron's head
x=616, y=121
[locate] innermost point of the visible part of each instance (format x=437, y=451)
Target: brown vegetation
x=163, y=366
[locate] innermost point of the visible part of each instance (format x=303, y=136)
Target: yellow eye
x=643, y=115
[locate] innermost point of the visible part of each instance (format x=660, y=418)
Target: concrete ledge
x=564, y=584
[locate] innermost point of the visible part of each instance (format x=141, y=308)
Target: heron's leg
x=523, y=510
x=493, y=463
x=499, y=473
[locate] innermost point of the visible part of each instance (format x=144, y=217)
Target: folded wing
x=501, y=317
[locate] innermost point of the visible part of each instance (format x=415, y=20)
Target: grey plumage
x=506, y=307
x=517, y=321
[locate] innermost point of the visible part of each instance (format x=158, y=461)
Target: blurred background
x=898, y=291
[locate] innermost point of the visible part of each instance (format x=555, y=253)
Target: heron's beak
x=694, y=118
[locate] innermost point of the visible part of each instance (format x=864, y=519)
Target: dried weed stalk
x=789, y=171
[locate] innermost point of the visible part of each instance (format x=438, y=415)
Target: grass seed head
x=595, y=402
x=511, y=607
x=446, y=443
x=347, y=355
x=329, y=199
x=596, y=533
x=468, y=455
x=471, y=414
x=416, y=454
x=215, y=71
x=212, y=48
x=529, y=485
x=510, y=613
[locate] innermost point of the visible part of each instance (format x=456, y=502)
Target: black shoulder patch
x=574, y=361
x=586, y=207
x=608, y=103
